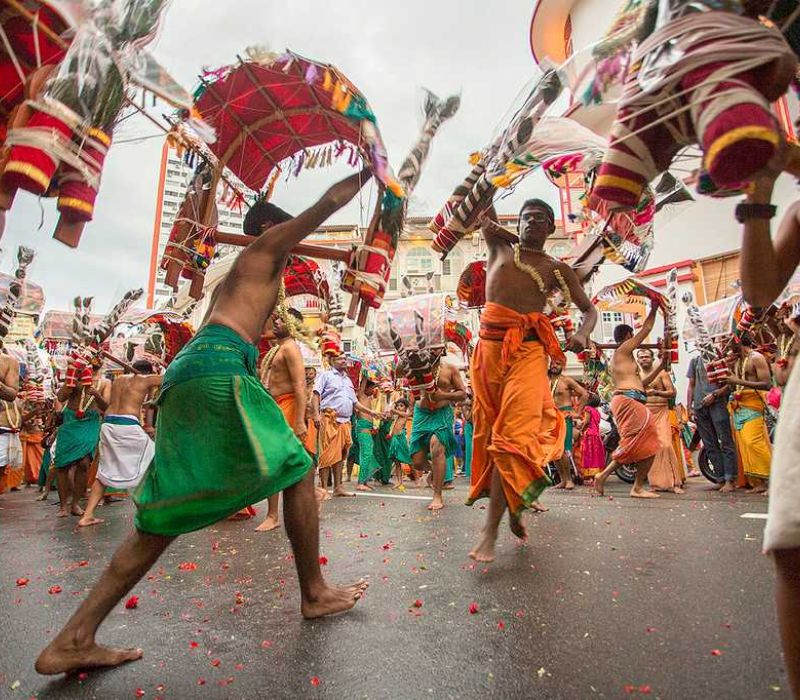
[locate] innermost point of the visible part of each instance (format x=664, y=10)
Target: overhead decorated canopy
x=269, y=108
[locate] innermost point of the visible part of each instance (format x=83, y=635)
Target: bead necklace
x=534, y=274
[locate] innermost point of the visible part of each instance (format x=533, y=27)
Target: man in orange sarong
x=666, y=473
x=517, y=427
x=284, y=376
x=639, y=442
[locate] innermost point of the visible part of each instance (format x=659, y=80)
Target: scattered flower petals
x=193, y=645
x=323, y=560
x=201, y=681
x=215, y=662
x=315, y=681
x=132, y=603
x=139, y=693
x=187, y=566
x=54, y=590
x=716, y=652
x=83, y=676
x=501, y=625
x=650, y=630
x=473, y=608
x=266, y=644
x=23, y=582
x=541, y=672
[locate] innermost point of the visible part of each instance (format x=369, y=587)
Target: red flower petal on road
x=187, y=566
x=629, y=688
x=83, y=676
x=323, y=560
x=315, y=681
x=201, y=681
x=650, y=630
x=83, y=563
x=645, y=689
x=473, y=608
x=215, y=662
x=266, y=644
x=193, y=645
x=716, y=652
x=132, y=603
x=54, y=590
x=139, y=693
x=239, y=667
x=23, y=582
x=417, y=603
x=501, y=625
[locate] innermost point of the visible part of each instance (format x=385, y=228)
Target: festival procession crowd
x=203, y=425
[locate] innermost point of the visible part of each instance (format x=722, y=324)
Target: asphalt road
x=610, y=598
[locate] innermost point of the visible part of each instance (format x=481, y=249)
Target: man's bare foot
x=484, y=552
x=333, y=600
x=362, y=487
x=679, y=490
x=76, y=510
x=270, y=523
x=599, y=485
x=570, y=485
x=559, y=485
x=436, y=503
x=62, y=513
x=88, y=521
x=538, y=507
x=339, y=492
x=715, y=487
x=728, y=488
x=43, y=497
x=643, y=493
x=517, y=528
x=61, y=657
x=448, y=487
x=759, y=489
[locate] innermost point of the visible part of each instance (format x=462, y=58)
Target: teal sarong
x=222, y=441
x=382, y=449
x=398, y=449
x=569, y=437
x=428, y=423
x=450, y=469
x=367, y=462
x=77, y=438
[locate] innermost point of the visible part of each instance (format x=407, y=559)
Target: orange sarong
x=638, y=437
x=335, y=440
x=665, y=474
x=517, y=427
x=32, y=454
x=286, y=402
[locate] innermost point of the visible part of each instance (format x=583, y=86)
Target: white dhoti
x=125, y=452
x=5, y=443
x=783, y=521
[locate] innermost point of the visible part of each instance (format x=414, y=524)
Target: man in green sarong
x=432, y=439
x=222, y=442
x=78, y=435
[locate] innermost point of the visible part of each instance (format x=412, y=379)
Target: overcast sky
x=389, y=50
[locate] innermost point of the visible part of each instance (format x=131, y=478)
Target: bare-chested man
x=78, y=435
x=639, y=441
x=222, y=443
x=432, y=439
x=749, y=382
x=284, y=376
x=517, y=427
x=566, y=392
x=126, y=449
x=9, y=385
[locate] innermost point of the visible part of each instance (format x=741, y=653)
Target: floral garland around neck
x=534, y=274
x=15, y=422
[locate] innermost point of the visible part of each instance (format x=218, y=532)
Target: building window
x=609, y=320
x=419, y=261
x=347, y=346
x=446, y=267
x=393, y=284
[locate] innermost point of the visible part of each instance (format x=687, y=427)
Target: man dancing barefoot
x=638, y=435
x=222, y=444
x=432, y=439
x=126, y=449
x=517, y=427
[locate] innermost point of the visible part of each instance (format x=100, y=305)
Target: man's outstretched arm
x=644, y=331
x=579, y=341
x=281, y=238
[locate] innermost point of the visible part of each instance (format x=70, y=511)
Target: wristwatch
x=747, y=210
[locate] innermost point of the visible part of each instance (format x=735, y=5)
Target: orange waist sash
x=499, y=323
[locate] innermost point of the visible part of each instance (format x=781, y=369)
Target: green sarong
x=450, y=469
x=367, y=462
x=569, y=437
x=381, y=447
x=77, y=438
x=426, y=424
x=222, y=443
x=398, y=449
